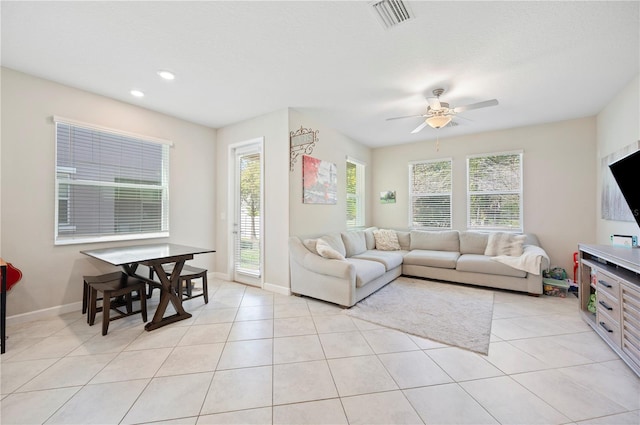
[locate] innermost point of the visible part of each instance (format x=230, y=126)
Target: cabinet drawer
x=609, y=328
x=609, y=305
x=607, y=283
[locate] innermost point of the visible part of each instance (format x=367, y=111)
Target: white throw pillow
x=386, y=240
x=501, y=243
x=310, y=244
x=325, y=250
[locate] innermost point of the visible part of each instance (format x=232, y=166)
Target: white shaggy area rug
x=448, y=313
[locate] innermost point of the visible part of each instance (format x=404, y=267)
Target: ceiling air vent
x=391, y=12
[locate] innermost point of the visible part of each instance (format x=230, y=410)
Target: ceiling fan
x=439, y=114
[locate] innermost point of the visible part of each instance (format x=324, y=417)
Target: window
x=63, y=198
x=355, y=193
x=109, y=186
x=494, y=191
x=430, y=194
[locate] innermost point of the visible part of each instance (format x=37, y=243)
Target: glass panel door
x=247, y=225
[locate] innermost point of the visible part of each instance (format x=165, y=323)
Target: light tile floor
x=253, y=357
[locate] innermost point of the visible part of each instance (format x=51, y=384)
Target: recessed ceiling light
x=167, y=75
x=136, y=93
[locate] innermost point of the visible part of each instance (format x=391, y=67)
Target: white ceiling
x=543, y=61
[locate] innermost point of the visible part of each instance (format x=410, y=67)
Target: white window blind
x=495, y=191
x=248, y=231
x=355, y=193
x=430, y=194
x=109, y=186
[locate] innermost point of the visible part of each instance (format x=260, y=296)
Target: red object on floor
x=13, y=276
x=575, y=267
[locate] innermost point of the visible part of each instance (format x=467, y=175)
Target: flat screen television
x=626, y=171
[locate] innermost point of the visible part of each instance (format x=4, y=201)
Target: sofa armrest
x=317, y=264
x=297, y=250
x=338, y=268
x=537, y=250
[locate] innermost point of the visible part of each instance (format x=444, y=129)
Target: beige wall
x=53, y=274
x=618, y=125
x=310, y=219
x=559, y=179
x=274, y=129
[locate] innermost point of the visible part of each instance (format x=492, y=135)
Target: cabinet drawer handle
x=605, y=284
x=604, y=325
x=604, y=304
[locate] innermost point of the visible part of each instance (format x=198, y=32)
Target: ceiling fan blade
x=463, y=117
x=419, y=128
x=406, y=116
x=478, y=105
x=434, y=102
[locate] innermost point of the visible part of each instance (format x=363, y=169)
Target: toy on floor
x=592, y=303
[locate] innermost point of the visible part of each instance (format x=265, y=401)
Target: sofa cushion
x=404, y=239
x=335, y=241
x=325, y=250
x=473, y=242
x=501, y=243
x=446, y=240
x=366, y=271
x=531, y=239
x=390, y=259
x=483, y=264
x=370, y=239
x=386, y=240
x=429, y=258
x=354, y=242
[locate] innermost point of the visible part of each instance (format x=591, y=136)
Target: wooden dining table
x=154, y=256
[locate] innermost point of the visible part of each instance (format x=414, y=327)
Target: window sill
x=110, y=238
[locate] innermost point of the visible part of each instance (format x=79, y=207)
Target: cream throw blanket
x=529, y=261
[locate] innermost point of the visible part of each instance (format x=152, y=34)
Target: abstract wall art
x=319, y=181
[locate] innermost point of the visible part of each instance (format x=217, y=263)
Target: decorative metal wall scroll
x=301, y=142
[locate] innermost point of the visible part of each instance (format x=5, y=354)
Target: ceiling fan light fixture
x=438, y=121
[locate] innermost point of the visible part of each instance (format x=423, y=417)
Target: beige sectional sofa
x=352, y=268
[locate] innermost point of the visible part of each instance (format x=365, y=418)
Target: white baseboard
x=278, y=289
x=222, y=276
x=45, y=313
x=282, y=290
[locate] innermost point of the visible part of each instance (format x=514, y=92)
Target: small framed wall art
x=388, y=197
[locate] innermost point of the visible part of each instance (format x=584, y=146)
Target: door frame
x=232, y=203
